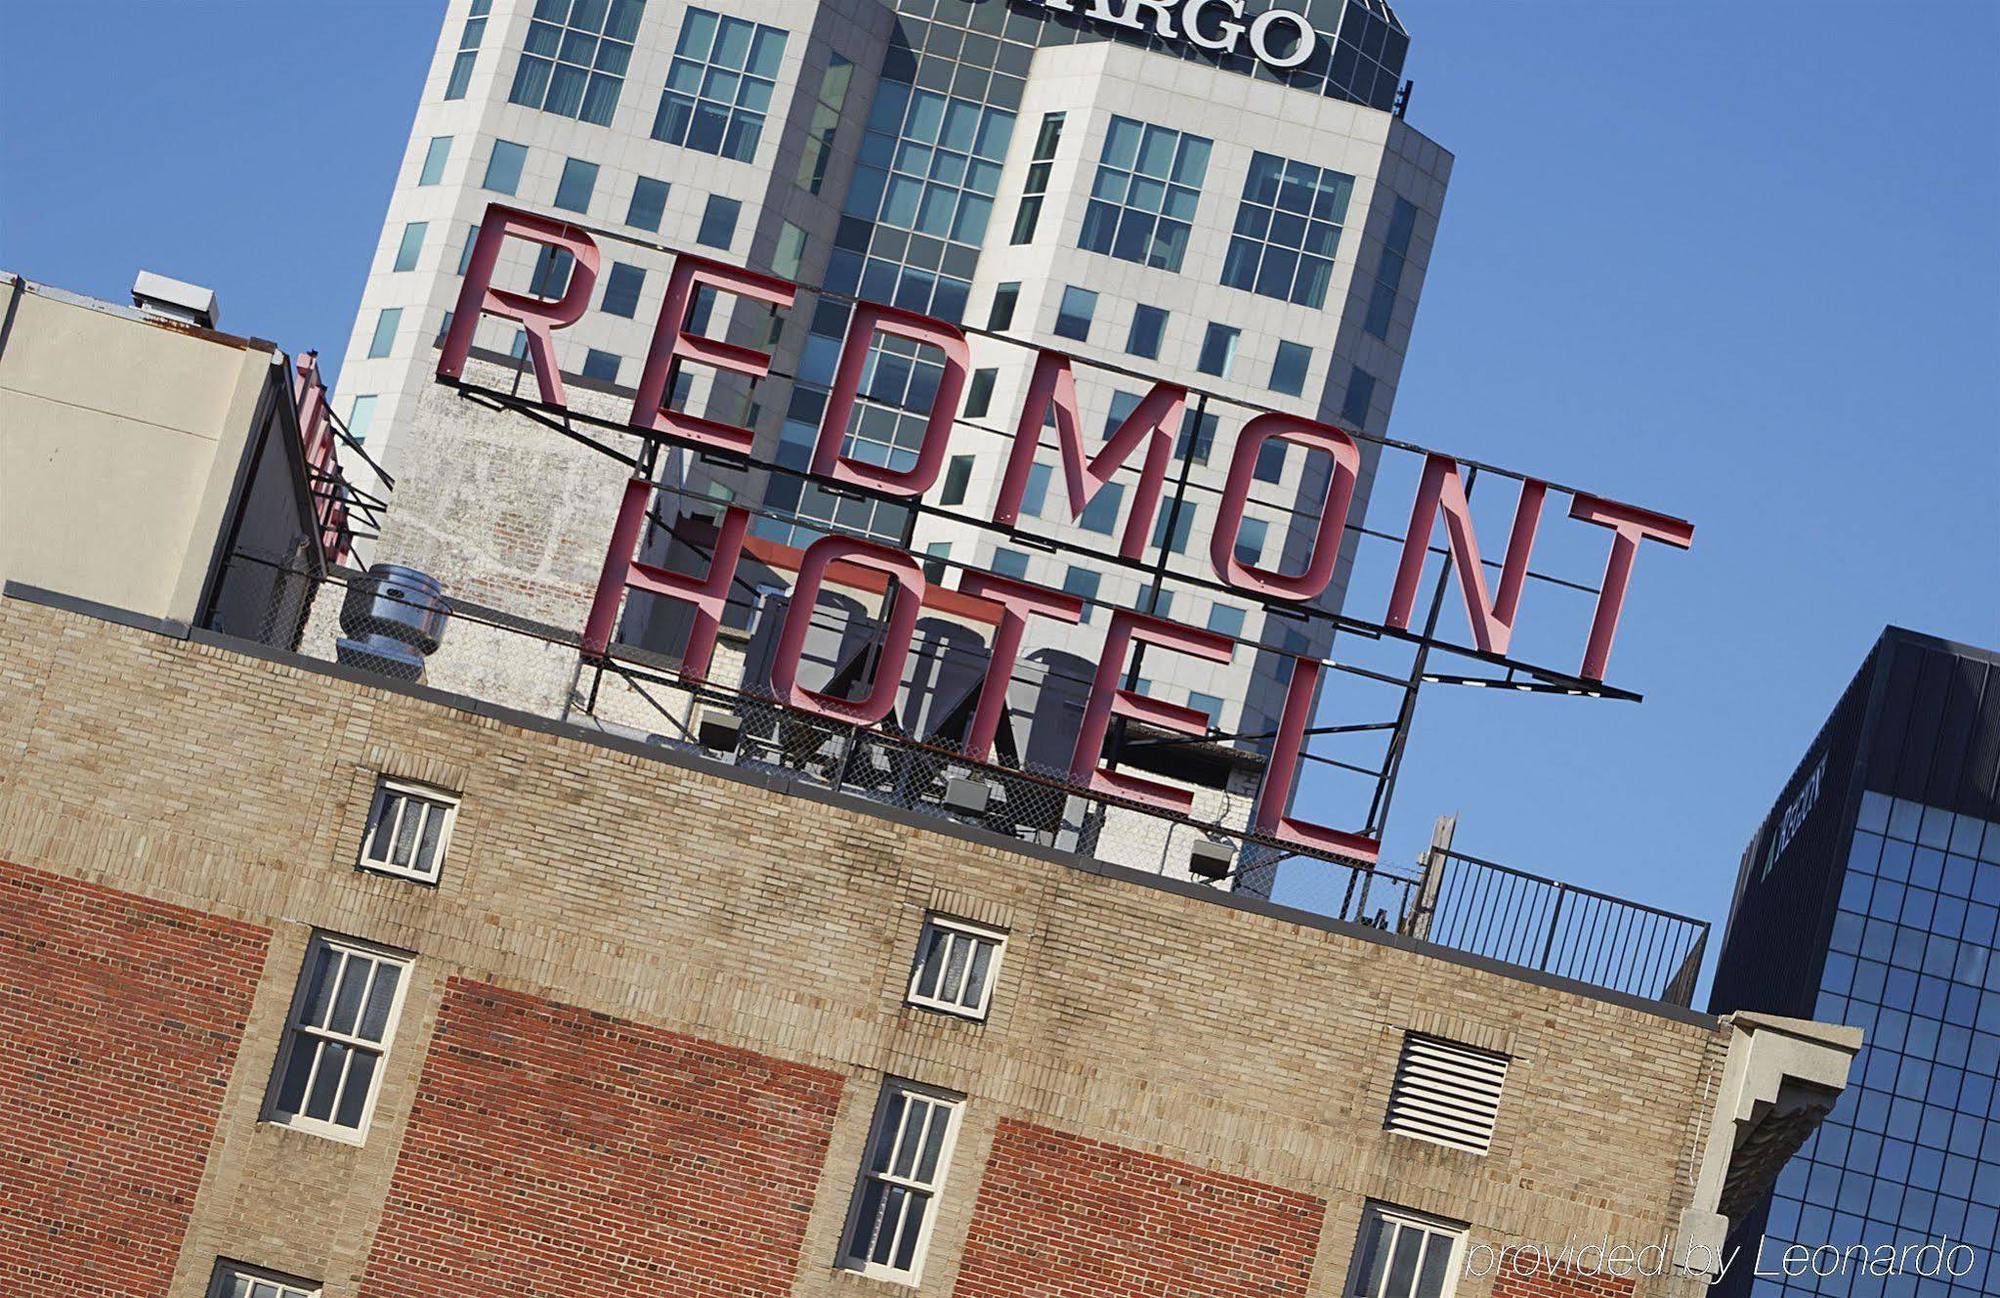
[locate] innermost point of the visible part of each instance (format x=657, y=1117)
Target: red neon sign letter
x=1107, y=700
x=906, y=600
x=1492, y=622
x=1631, y=525
x=1281, y=777
x=1306, y=584
x=537, y=315
x=1159, y=412
x=709, y=595
x=1018, y=600
x=673, y=344
x=869, y=320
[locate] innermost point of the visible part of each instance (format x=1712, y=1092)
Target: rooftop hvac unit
x=394, y=618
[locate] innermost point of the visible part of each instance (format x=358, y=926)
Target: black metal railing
x=1557, y=928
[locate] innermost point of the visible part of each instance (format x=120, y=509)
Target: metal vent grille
x=1446, y=1093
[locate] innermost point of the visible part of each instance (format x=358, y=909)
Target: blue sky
x=1737, y=262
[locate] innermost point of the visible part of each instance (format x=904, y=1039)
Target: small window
x=1218, y=350
x=503, y=168
x=1183, y=515
x=1004, y=298
x=409, y=830
x=957, y=965
x=1250, y=537
x=601, y=365
x=1270, y=466
x=649, y=204
x=1073, y=319
x=386, y=324
x=1360, y=395
x=1225, y=619
x=909, y=1151
x=621, y=289
x=1446, y=1093
x=957, y=476
x=411, y=246
x=465, y=253
x=578, y=183
x=360, y=415
x=718, y=222
x=1101, y=514
x=435, y=157
x=1288, y=371
x=342, y=1021
x=234, y=1280
x=1207, y=703
x=790, y=251
x=1149, y=326
x=1010, y=563
x=1082, y=583
x=1403, y=1255
x=1035, y=496
x=552, y=268
x=979, y=393
x=935, y=555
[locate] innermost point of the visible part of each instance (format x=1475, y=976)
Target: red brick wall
x=555, y=1152
x=1542, y=1281
x=1063, y=1217
x=119, y=1023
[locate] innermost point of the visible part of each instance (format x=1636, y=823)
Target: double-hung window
x=1403, y=1255
x=957, y=965
x=343, y=1018
x=909, y=1150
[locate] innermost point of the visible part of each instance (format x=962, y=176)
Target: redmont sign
x=1278, y=37
x=1143, y=443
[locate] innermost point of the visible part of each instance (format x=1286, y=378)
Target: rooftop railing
x=1557, y=928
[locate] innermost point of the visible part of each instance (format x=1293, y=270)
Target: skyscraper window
x=719, y=85
x=579, y=181
x=1389, y=273
x=503, y=166
x=1143, y=201
x=574, y=62
x=649, y=204
x=469, y=38
x=1287, y=228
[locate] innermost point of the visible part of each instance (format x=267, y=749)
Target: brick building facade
x=648, y=1027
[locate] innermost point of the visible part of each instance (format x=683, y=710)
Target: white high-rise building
x=1222, y=192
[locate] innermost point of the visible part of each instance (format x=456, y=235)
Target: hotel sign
x=1277, y=37
x=1144, y=440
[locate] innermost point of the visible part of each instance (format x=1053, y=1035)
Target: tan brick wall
x=1235, y=1040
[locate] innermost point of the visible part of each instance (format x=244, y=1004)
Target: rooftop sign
x=1143, y=443
x=1278, y=37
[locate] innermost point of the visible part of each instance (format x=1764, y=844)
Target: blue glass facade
x=1872, y=898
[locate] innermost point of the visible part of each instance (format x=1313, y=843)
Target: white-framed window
x=409, y=830
x=234, y=1280
x=957, y=965
x=895, y=1200
x=1405, y=1255
x=337, y=1038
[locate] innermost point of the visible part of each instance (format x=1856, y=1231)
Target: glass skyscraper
x=1871, y=896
